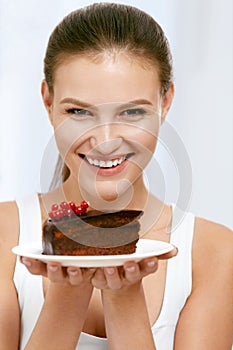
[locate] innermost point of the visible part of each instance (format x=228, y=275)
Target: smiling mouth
x=109, y=163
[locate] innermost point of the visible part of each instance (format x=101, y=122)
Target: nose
x=105, y=139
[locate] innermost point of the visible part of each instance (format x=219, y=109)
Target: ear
x=167, y=101
x=47, y=99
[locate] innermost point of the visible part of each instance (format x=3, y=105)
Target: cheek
x=146, y=133
x=150, y=142
x=145, y=144
x=69, y=136
x=145, y=140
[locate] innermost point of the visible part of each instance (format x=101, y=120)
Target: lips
x=106, y=163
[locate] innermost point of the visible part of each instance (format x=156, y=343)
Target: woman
x=107, y=89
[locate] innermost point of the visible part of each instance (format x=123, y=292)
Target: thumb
x=168, y=255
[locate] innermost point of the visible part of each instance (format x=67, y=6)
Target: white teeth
x=106, y=164
x=91, y=161
x=115, y=162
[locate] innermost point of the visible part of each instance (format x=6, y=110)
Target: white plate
x=145, y=248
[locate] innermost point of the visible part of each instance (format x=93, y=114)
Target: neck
x=141, y=200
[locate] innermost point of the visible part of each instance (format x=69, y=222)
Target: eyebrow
x=141, y=102
x=75, y=102
x=88, y=105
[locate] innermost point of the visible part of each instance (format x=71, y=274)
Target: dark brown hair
x=109, y=27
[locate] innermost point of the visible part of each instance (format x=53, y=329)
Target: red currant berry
x=69, y=212
x=64, y=205
x=58, y=214
x=84, y=205
x=54, y=207
x=65, y=212
x=78, y=210
x=72, y=205
x=61, y=213
x=51, y=215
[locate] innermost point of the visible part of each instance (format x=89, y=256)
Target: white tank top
x=177, y=288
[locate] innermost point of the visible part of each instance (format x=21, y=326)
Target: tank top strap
x=182, y=233
x=29, y=287
x=179, y=269
x=29, y=218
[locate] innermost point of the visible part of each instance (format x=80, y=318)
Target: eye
x=133, y=113
x=79, y=112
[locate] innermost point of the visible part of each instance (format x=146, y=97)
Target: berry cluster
x=66, y=209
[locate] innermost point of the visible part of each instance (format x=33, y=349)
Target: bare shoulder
x=212, y=251
x=9, y=222
x=9, y=307
x=206, y=319
x=9, y=233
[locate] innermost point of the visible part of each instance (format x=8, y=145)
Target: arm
x=9, y=316
x=65, y=308
x=125, y=310
x=9, y=308
x=61, y=319
x=206, y=322
x=126, y=319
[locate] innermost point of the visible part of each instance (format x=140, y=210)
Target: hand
x=129, y=274
x=57, y=273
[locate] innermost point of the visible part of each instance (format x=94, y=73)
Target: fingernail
x=26, y=262
x=151, y=263
x=52, y=268
x=130, y=268
x=110, y=270
x=72, y=272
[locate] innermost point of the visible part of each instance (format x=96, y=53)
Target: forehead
x=112, y=79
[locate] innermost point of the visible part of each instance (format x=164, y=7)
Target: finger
x=75, y=275
x=55, y=273
x=98, y=280
x=112, y=277
x=88, y=273
x=132, y=272
x=34, y=266
x=168, y=255
x=149, y=265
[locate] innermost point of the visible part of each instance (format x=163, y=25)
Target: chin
x=113, y=195
x=112, y=190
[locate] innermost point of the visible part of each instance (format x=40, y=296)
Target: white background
x=200, y=34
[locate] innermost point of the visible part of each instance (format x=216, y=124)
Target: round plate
x=145, y=248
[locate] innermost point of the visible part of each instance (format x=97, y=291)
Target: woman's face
x=106, y=117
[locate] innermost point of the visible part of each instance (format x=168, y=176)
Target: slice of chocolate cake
x=92, y=233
